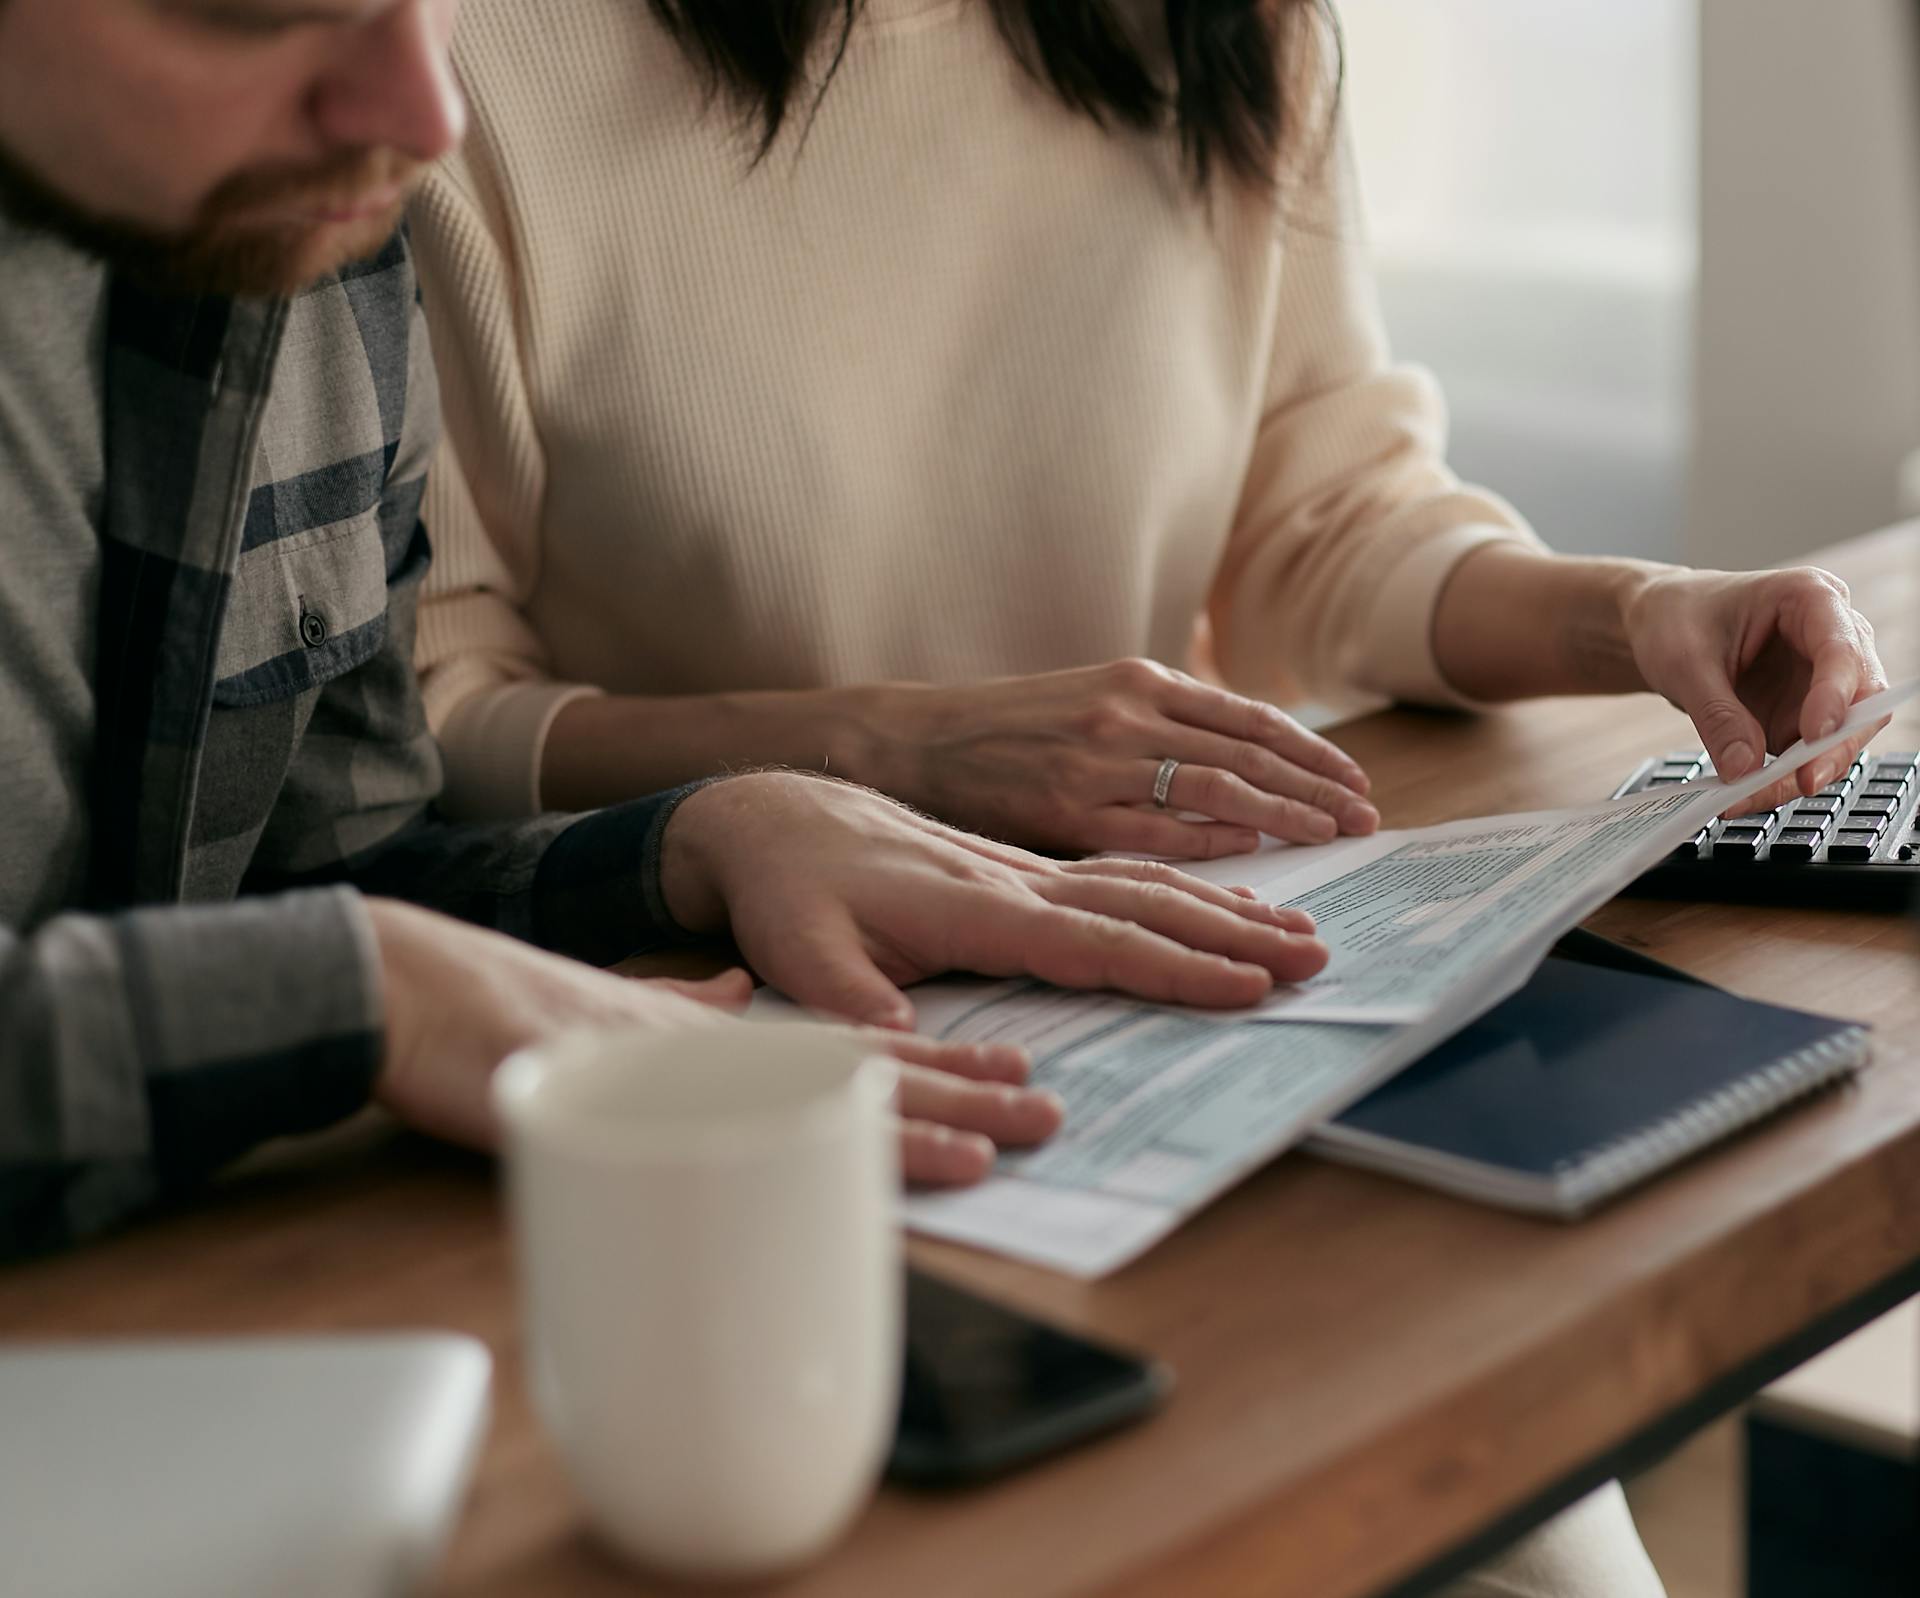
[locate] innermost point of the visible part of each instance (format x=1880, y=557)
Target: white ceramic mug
x=710, y=1262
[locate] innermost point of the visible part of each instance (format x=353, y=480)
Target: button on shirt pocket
x=303, y=611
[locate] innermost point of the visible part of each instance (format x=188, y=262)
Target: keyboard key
x=1682, y=769
x=1872, y=807
x=1819, y=804
x=1693, y=757
x=1852, y=843
x=1884, y=790
x=1738, y=843
x=1838, y=790
x=1664, y=782
x=1690, y=850
x=1795, y=844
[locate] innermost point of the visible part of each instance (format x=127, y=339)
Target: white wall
x=1808, y=358
x=1529, y=172
x=1663, y=254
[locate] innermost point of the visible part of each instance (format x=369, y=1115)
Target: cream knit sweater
x=963, y=387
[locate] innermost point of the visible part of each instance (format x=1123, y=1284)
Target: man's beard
x=248, y=238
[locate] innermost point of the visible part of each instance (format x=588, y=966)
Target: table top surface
x=1368, y=1373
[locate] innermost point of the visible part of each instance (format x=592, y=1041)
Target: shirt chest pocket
x=302, y=611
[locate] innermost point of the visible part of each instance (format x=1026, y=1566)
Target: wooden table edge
x=1872, y=1194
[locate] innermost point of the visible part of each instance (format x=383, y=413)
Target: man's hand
x=460, y=1000
x=1758, y=660
x=838, y=897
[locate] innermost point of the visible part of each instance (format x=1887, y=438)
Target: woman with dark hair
x=985, y=400
x=919, y=389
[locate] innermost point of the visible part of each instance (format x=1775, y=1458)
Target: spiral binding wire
x=1609, y=1167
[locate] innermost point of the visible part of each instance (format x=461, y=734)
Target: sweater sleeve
x=1349, y=522
x=488, y=684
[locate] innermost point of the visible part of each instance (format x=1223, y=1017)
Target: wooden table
x=1377, y=1385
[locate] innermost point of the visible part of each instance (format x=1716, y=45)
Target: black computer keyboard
x=1855, y=844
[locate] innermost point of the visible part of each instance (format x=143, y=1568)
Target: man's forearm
x=586, y=886
x=1513, y=622
x=141, y=1051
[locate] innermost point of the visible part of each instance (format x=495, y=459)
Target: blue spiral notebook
x=1586, y=1082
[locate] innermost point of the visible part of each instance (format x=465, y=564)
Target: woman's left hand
x=1758, y=660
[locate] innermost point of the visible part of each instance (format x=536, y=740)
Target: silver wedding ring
x=1163, y=781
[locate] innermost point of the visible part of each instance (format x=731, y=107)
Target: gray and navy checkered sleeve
x=141, y=1051
x=584, y=886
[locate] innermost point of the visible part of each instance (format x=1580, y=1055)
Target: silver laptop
x=287, y=1467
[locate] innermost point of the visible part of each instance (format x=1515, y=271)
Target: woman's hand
x=1067, y=761
x=1063, y=761
x=1758, y=660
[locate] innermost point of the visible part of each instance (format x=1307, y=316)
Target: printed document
x=1413, y=916
x=1167, y=1108
x=1164, y=1112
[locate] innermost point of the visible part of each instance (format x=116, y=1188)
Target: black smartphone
x=988, y=1388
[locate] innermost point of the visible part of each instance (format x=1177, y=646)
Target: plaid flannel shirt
x=261, y=755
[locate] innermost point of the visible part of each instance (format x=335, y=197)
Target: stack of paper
x=1428, y=929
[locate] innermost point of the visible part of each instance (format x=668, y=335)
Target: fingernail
x=1360, y=817
x=1829, y=724
x=1734, y=760
x=1312, y=946
x=998, y=1061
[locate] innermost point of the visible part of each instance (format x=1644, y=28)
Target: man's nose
x=393, y=86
